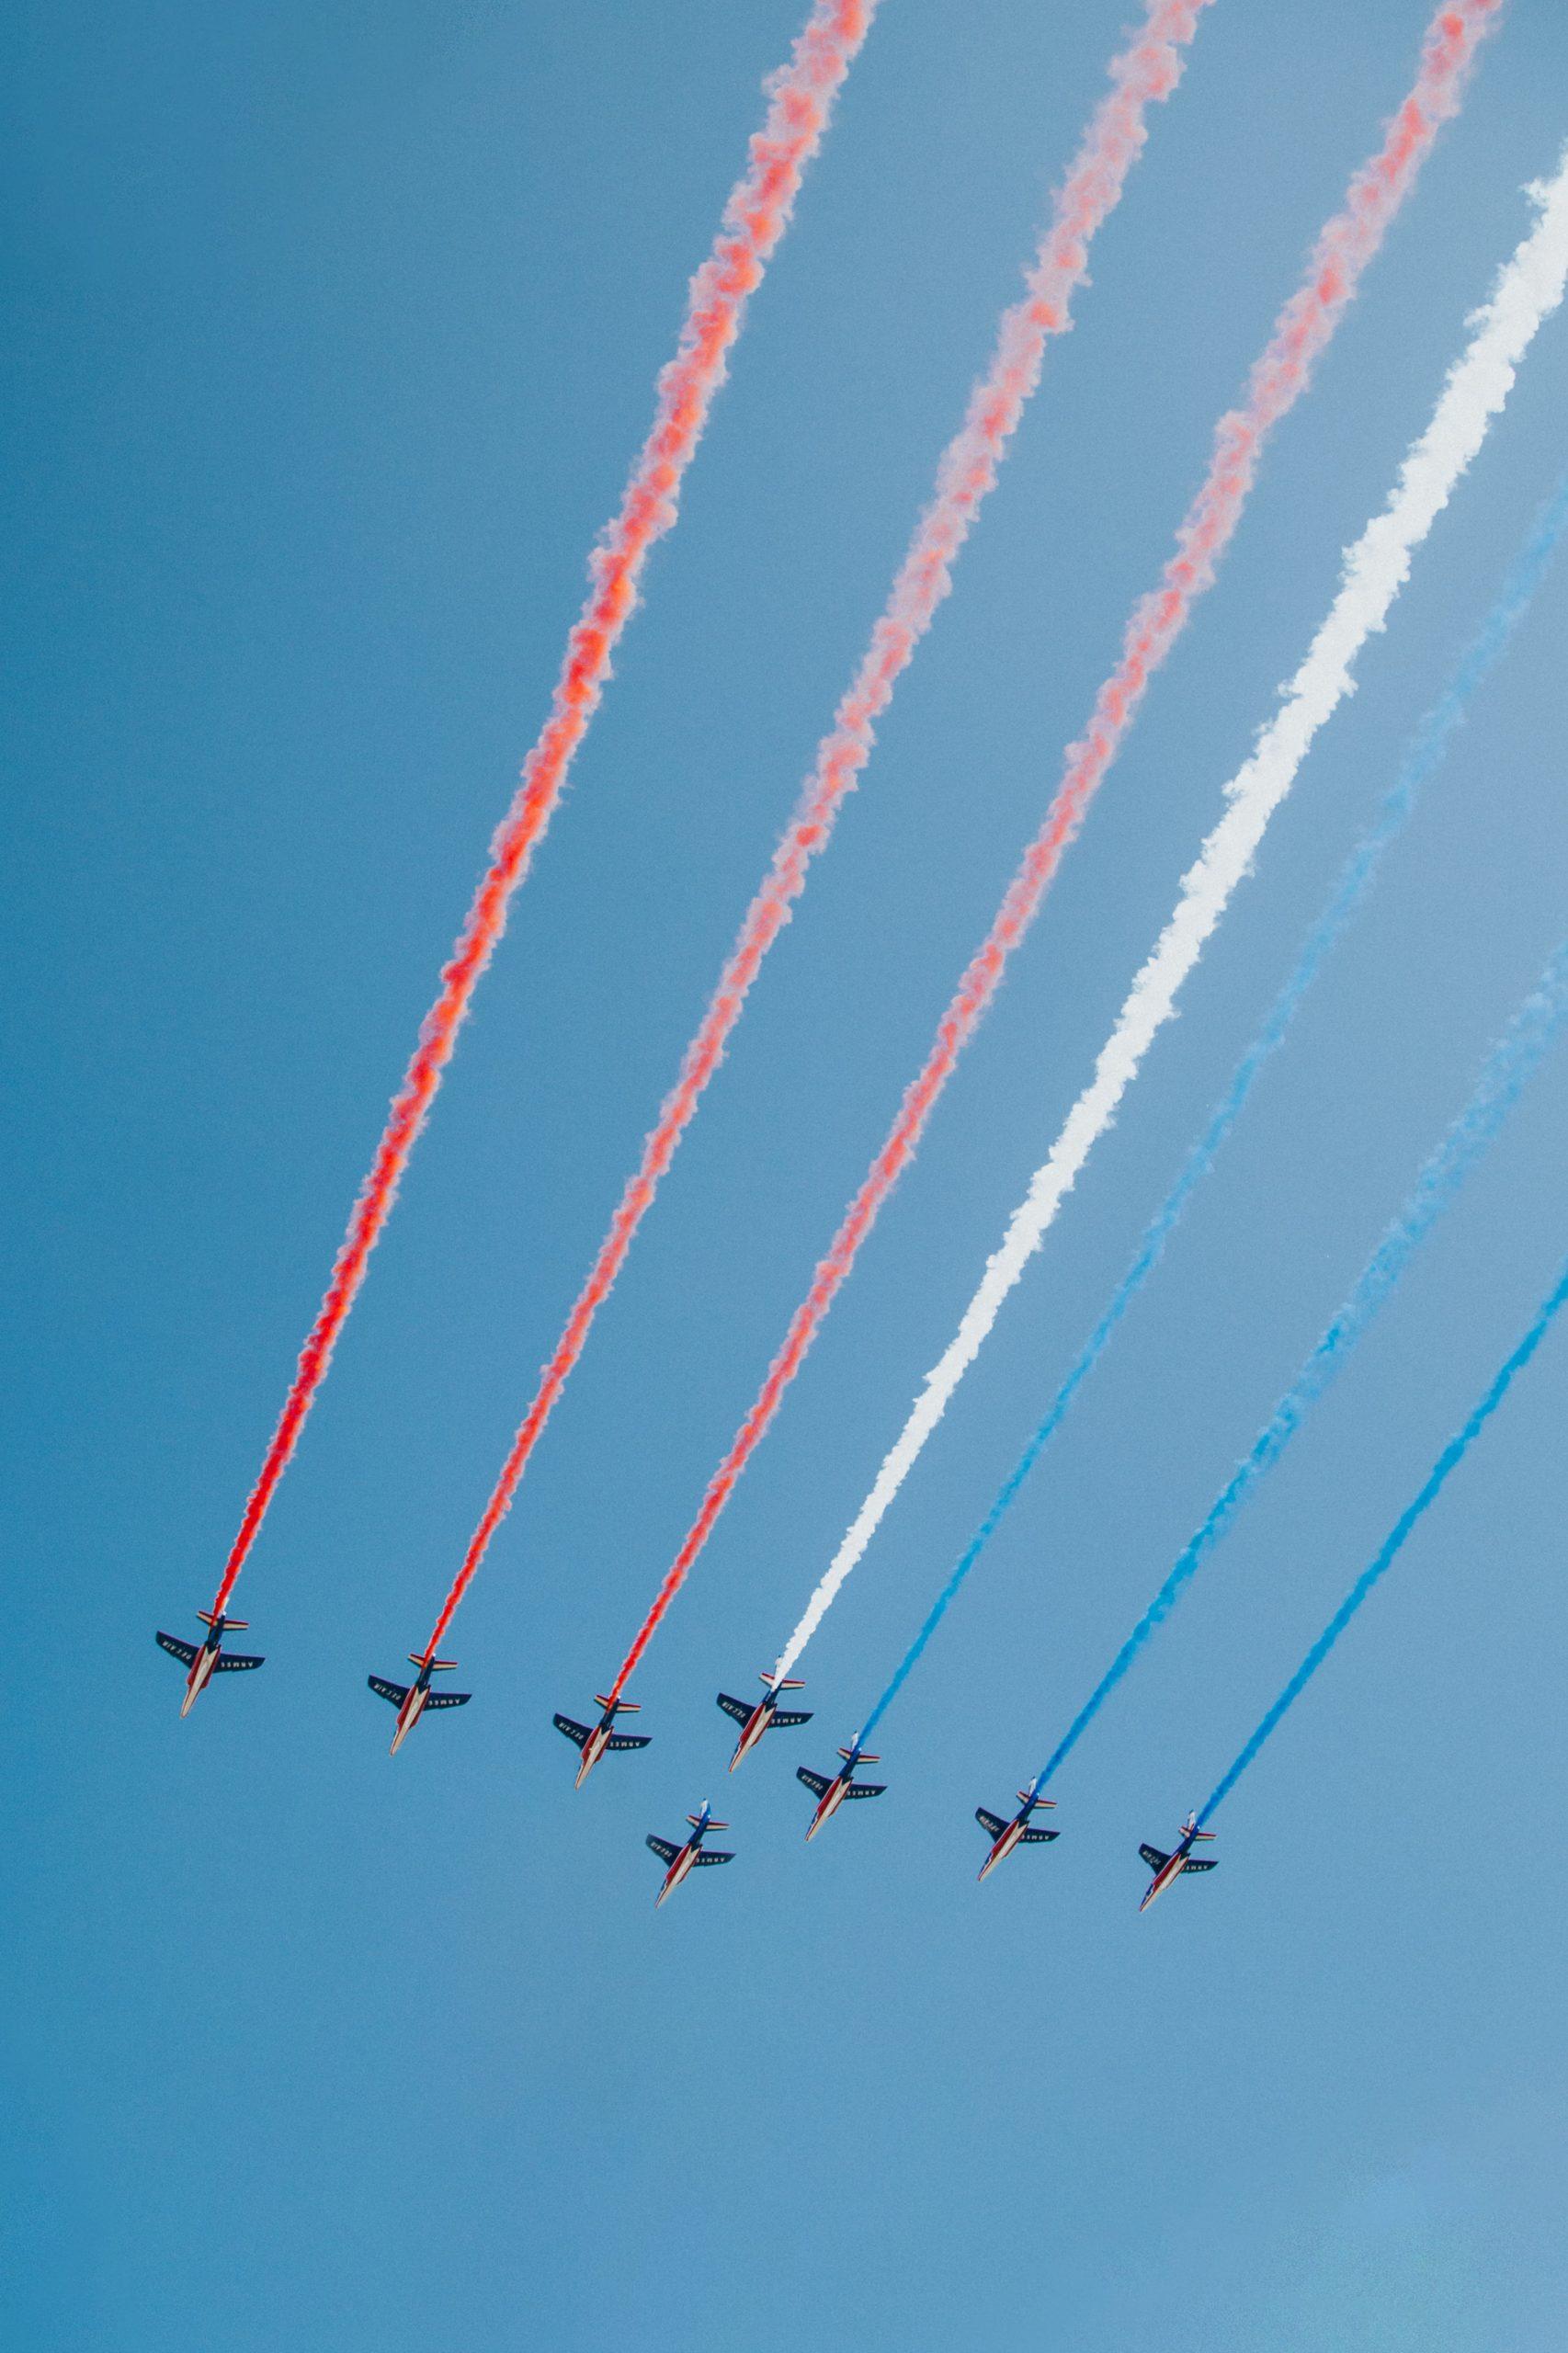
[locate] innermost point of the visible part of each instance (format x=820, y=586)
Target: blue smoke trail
x=1427, y=749
x=1508, y=1069
x=1449, y=1460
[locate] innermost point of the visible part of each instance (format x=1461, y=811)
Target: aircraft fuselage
x=756, y=1725
x=594, y=1748
x=408, y=1715
x=1005, y=1844
x=829, y=1803
x=1171, y=1869
x=200, y=1676
x=677, y=1870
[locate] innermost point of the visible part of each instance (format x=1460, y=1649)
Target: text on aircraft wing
x=739, y=1708
x=815, y=1782
x=1034, y=1838
x=396, y=1692
x=864, y=1789
x=449, y=1698
x=666, y=1848
x=183, y=1652
x=991, y=1824
x=788, y=1716
x=576, y=1734
x=233, y=1662
x=1200, y=1862
x=711, y=1855
x=628, y=1740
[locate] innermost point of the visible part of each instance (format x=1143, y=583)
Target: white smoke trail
x=1529, y=289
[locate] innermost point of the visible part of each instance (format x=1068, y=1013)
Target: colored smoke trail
x=1528, y=289
x=1148, y=70
x=1304, y=328
x=1452, y=1455
x=1426, y=750
x=1511, y=1064
x=801, y=97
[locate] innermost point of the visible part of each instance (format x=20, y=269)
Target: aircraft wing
x=666, y=1848
x=791, y=1716
x=1034, y=1838
x=1200, y=1862
x=232, y=1662
x=736, y=1708
x=1153, y=1857
x=708, y=1855
x=575, y=1734
x=865, y=1789
x=628, y=1740
x=816, y=1782
x=991, y=1824
x=449, y=1698
x=395, y=1692
x=183, y=1652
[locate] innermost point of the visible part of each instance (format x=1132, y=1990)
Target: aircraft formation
x=830, y=1789
x=1527, y=290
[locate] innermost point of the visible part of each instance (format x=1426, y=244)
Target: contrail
x=1452, y=1455
x=801, y=97
x=1508, y=1069
x=1361, y=871
x=1528, y=289
x=1305, y=326
x=1148, y=70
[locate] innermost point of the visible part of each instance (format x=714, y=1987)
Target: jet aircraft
x=411, y=1699
x=206, y=1658
x=753, y=1721
x=593, y=1740
x=830, y=1794
x=683, y=1860
x=1020, y=1832
x=1167, y=1867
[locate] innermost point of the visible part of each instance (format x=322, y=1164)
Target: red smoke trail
x=1148, y=70
x=801, y=100
x=1304, y=328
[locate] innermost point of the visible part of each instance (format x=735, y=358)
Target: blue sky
x=332, y=333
